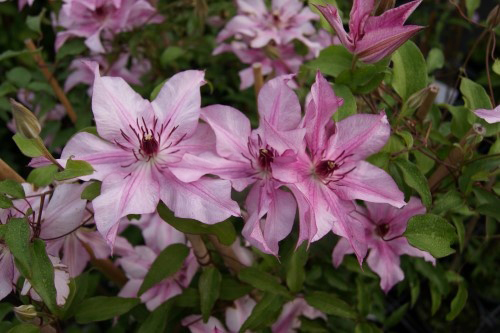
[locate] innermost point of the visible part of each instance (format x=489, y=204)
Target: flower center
x=266, y=157
x=382, y=229
x=326, y=168
x=149, y=145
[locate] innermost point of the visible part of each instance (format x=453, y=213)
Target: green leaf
x=19, y=76
x=460, y=124
x=170, y=54
x=17, y=239
x=209, y=287
x=496, y=66
x=223, y=230
x=436, y=299
x=447, y=202
x=157, y=89
x=157, y=320
x=5, y=202
x=295, y=268
x=471, y=6
x=330, y=304
x=24, y=328
x=168, y=262
x=332, y=61
x=264, y=313
x=7, y=88
x=11, y=53
x=489, y=209
x=5, y=309
x=435, y=60
x=349, y=107
x=71, y=48
x=262, y=281
x=92, y=191
x=101, y=308
x=33, y=22
x=458, y=302
x=459, y=226
x=43, y=176
x=409, y=70
x=475, y=97
x=435, y=274
x=28, y=147
x=431, y=233
x=396, y=316
x=42, y=278
x=415, y=179
x=12, y=188
x=75, y=169
x=231, y=289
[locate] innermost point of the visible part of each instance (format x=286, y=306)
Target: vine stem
x=199, y=249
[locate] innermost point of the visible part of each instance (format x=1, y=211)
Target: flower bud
x=493, y=19
x=26, y=123
x=25, y=313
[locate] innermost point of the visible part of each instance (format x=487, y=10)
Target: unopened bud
x=26, y=123
x=479, y=129
x=493, y=19
x=25, y=313
x=384, y=5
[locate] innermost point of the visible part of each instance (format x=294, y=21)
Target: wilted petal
x=369, y=183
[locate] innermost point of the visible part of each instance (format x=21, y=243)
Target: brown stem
x=258, y=78
x=488, y=76
x=199, y=249
x=107, y=267
x=426, y=105
x=51, y=79
x=228, y=255
x=6, y=172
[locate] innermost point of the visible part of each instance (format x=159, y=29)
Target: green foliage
x=415, y=179
x=431, y=233
x=209, y=287
x=74, y=169
x=330, y=304
x=409, y=70
x=91, y=191
x=12, y=189
x=168, y=262
x=264, y=313
x=262, y=281
x=101, y=308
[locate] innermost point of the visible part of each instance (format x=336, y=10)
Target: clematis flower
x=138, y=142
x=330, y=172
x=22, y=3
x=370, y=37
x=287, y=322
x=81, y=73
x=8, y=271
x=491, y=116
x=383, y=227
x=137, y=263
x=246, y=157
x=96, y=19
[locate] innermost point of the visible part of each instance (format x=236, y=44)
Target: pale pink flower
x=81, y=73
x=22, y=3
x=287, y=322
x=136, y=264
x=139, y=141
x=370, y=37
x=102, y=19
x=61, y=282
x=8, y=271
x=383, y=227
x=246, y=157
x=330, y=172
x=490, y=116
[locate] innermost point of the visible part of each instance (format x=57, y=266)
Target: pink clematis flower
x=137, y=263
x=138, y=143
x=491, y=116
x=287, y=322
x=383, y=227
x=22, y=3
x=246, y=157
x=330, y=172
x=81, y=73
x=372, y=38
x=96, y=19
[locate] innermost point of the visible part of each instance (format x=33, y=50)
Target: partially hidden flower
x=97, y=20
x=287, y=322
x=490, y=116
x=138, y=142
x=22, y=3
x=371, y=37
x=246, y=156
x=137, y=263
x=383, y=227
x=82, y=74
x=330, y=171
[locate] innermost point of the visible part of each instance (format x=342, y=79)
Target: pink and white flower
x=490, y=116
x=102, y=19
x=370, y=37
x=383, y=227
x=330, y=173
x=139, y=141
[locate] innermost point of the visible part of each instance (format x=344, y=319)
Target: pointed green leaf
x=262, y=281
x=409, y=70
x=330, y=304
x=101, y=308
x=92, y=191
x=295, y=268
x=43, y=176
x=264, y=313
x=12, y=188
x=75, y=169
x=209, y=287
x=458, y=302
x=28, y=147
x=431, y=233
x=415, y=179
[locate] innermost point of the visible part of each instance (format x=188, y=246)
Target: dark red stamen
x=382, y=229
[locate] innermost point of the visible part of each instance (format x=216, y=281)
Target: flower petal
x=6, y=272
x=491, y=116
x=383, y=261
